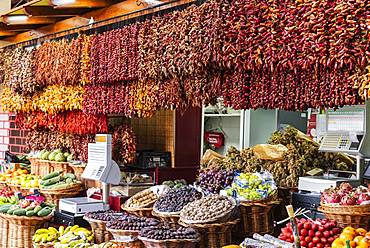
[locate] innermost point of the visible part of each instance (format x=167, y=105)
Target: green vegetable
x=5, y=209
x=37, y=209
x=69, y=180
x=51, y=156
x=20, y=212
x=45, y=155
x=51, y=175
x=30, y=213
x=44, y=212
x=70, y=175
x=60, y=186
x=51, y=181
x=59, y=157
x=12, y=209
x=30, y=208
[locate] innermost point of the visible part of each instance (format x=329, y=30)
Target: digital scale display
x=350, y=121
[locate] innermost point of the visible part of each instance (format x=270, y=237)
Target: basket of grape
x=164, y=236
x=128, y=227
x=98, y=221
x=168, y=206
x=347, y=205
x=257, y=194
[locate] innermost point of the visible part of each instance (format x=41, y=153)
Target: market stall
x=101, y=105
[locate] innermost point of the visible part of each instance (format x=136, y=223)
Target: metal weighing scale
x=101, y=167
x=344, y=130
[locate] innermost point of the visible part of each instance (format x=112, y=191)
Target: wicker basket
x=131, y=244
x=47, y=245
x=78, y=170
x=4, y=230
x=257, y=217
x=141, y=212
x=35, y=166
x=61, y=166
x=22, y=228
x=348, y=215
x=122, y=235
x=55, y=195
x=170, y=218
x=170, y=243
x=214, y=235
x=44, y=167
x=100, y=231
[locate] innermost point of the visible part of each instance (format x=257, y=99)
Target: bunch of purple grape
x=212, y=180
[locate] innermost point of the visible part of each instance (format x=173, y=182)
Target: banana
x=38, y=238
x=67, y=229
x=52, y=230
x=74, y=228
x=41, y=231
x=44, y=237
x=61, y=230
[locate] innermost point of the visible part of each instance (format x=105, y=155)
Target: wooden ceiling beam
x=49, y=11
x=90, y=4
x=3, y=26
x=27, y=20
x=6, y=33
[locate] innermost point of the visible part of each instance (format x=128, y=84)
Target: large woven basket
x=121, y=235
x=170, y=243
x=22, y=228
x=348, y=215
x=4, y=232
x=101, y=234
x=214, y=235
x=131, y=244
x=55, y=195
x=141, y=212
x=78, y=170
x=257, y=217
x=44, y=167
x=170, y=218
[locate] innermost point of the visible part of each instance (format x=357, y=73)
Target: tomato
x=315, y=227
x=319, y=245
x=315, y=240
x=324, y=240
x=308, y=239
x=321, y=228
x=303, y=243
x=304, y=232
x=311, y=245
x=336, y=230
x=300, y=226
x=330, y=240
x=307, y=226
x=318, y=234
x=326, y=234
x=311, y=233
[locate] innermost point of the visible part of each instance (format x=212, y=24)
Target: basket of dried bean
x=209, y=209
